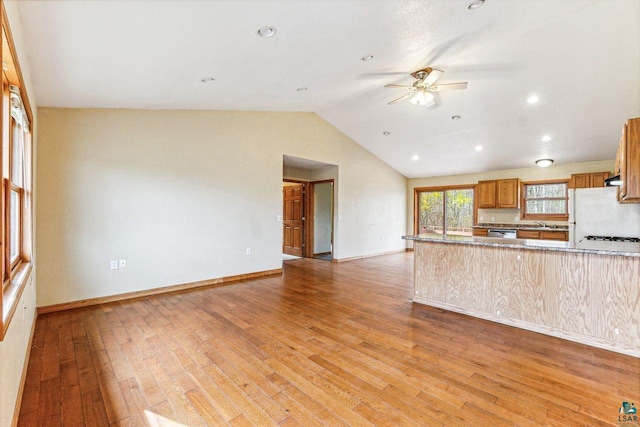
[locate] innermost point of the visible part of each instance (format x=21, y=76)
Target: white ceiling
x=582, y=57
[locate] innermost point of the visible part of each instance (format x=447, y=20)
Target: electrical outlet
x=493, y=218
x=248, y=251
x=122, y=263
x=481, y=218
x=382, y=237
x=279, y=218
x=114, y=264
x=617, y=331
x=498, y=312
x=516, y=219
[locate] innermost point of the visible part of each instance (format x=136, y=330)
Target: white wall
x=525, y=174
x=13, y=348
x=181, y=194
x=322, y=208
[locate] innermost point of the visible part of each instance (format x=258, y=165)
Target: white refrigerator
x=596, y=212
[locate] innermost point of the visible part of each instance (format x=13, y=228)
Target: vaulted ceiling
x=580, y=57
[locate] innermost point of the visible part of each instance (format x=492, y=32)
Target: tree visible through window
x=545, y=200
x=445, y=211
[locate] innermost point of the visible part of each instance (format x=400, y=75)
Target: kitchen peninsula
x=588, y=292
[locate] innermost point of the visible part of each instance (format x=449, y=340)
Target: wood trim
x=417, y=190
x=548, y=217
x=23, y=377
x=12, y=48
x=547, y=330
x=368, y=256
x=308, y=189
x=154, y=291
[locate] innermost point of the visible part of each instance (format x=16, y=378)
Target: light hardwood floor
x=324, y=344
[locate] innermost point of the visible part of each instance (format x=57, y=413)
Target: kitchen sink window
x=444, y=210
x=545, y=200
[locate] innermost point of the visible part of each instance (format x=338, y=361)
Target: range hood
x=614, y=181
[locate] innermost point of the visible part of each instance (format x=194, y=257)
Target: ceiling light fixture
x=366, y=58
x=267, y=31
x=533, y=99
x=207, y=80
x=545, y=138
x=422, y=97
x=456, y=117
x=386, y=133
x=301, y=89
x=476, y=4
x=543, y=163
x=415, y=157
x=478, y=148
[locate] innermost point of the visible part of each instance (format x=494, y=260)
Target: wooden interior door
x=293, y=219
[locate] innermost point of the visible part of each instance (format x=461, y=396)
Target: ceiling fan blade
x=399, y=86
x=448, y=86
x=405, y=96
x=432, y=77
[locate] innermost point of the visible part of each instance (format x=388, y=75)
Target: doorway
x=307, y=219
x=322, y=219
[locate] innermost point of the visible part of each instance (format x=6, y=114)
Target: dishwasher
x=502, y=233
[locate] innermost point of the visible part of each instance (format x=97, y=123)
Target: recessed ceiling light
x=533, y=99
x=267, y=31
x=543, y=163
x=545, y=138
x=476, y=4
x=415, y=157
x=366, y=58
x=386, y=133
x=207, y=80
x=302, y=89
x=478, y=148
x=456, y=117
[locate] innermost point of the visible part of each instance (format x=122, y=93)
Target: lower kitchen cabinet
x=543, y=235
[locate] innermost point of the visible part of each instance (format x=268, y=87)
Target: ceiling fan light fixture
x=543, y=163
x=422, y=97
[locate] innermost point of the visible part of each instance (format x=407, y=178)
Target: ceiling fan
x=420, y=93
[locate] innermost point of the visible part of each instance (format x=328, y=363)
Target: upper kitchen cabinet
x=486, y=194
x=588, y=180
x=628, y=162
x=502, y=194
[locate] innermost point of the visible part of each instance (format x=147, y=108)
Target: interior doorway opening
x=308, y=206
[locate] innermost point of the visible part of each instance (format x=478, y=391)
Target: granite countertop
x=586, y=246
x=523, y=227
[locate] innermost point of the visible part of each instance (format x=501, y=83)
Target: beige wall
x=181, y=194
x=13, y=348
x=525, y=174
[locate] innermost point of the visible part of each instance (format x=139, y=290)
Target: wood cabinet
x=508, y=193
x=628, y=162
x=486, y=194
x=480, y=232
x=501, y=194
x=564, y=294
x=543, y=235
x=588, y=180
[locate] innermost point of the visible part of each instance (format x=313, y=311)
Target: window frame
x=444, y=188
x=15, y=272
x=543, y=216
